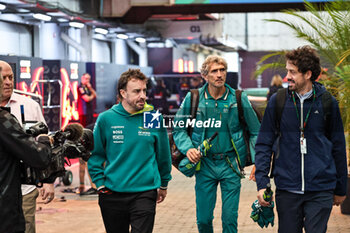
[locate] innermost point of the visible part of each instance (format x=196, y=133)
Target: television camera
x=72, y=142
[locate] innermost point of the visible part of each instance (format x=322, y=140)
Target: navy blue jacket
x=324, y=166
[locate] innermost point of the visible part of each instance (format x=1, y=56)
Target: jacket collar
x=202, y=91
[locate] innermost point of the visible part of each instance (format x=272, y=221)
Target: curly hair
x=127, y=76
x=209, y=61
x=305, y=58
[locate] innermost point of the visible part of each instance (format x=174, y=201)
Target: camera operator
x=32, y=112
x=16, y=145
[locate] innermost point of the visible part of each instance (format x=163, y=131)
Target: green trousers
x=213, y=172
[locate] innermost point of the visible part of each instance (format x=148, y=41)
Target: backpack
x=279, y=106
x=246, y=134
x=176, y=155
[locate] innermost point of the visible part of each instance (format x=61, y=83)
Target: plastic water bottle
x=268, y=193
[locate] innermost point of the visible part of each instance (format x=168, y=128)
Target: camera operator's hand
x=47, y=193
x=44, y=138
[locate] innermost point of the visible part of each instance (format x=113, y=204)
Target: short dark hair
x=127, y=76
x=305, y=58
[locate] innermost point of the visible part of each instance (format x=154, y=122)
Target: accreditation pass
x=303, y=145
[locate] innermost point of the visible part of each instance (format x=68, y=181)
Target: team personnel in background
x=159, y=95
x=130, y=164
x=196, y=82
x=276, y=83
x=217, y=102
x=86, y=95
x=310, y=168
x=32, y=112
x=183, y=87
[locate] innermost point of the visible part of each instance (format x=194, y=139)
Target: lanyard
x=308, y=114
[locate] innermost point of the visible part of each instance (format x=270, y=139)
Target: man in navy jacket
x=310, y=168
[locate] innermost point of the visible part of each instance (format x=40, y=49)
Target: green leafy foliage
x=326, y=27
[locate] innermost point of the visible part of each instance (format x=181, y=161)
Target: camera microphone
x=74, y=131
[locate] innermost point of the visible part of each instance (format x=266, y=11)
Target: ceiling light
x=42, y=17
x=140, y=40
x=22, y=10
x=122, y=36
x=76, y=24
x=101, y=31
x=2, y=7
x=62, y=20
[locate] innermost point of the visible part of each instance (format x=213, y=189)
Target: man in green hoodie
x=130, y=164
x=217, y=113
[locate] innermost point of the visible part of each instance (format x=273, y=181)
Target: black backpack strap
x=281, y=96
x=279, y=106
x=243, y=123
x=194, y=107
x=327, y=112
x=240, y=108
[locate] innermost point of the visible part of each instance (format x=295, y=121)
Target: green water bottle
x=268, y=193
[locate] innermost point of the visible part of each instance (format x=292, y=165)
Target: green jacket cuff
x=164, y=184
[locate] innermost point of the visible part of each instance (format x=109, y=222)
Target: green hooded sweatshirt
x=128, y=157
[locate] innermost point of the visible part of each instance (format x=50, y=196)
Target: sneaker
x=79, y=190
x=90, y=191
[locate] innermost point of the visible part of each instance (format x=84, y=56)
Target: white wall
x=262, y=35
x=48, y=43
x=100, y=51
x=75, y=34
x=15, y=39
x=232, y=61
x=120, y=52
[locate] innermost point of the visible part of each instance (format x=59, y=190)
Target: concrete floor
x=73, y=213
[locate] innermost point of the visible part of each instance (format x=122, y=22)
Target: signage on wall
x=184, y=65
x=190, y=29
x=69, y=98
x=74, y=67
x=25, y=69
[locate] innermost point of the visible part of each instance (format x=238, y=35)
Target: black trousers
x=122, y=210
x=310, y=210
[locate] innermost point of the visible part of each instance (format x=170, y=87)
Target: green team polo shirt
x=218, y=110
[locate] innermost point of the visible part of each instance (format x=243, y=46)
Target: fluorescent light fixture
x=101, y=31
x=62, y=20
x=140, y=39
x=22, y=10
x=2, y=7
x=42, y=17
x=76, y=24
x=122, y=36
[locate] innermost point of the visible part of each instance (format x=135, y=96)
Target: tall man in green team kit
x=130, y=164
x=217, y=102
